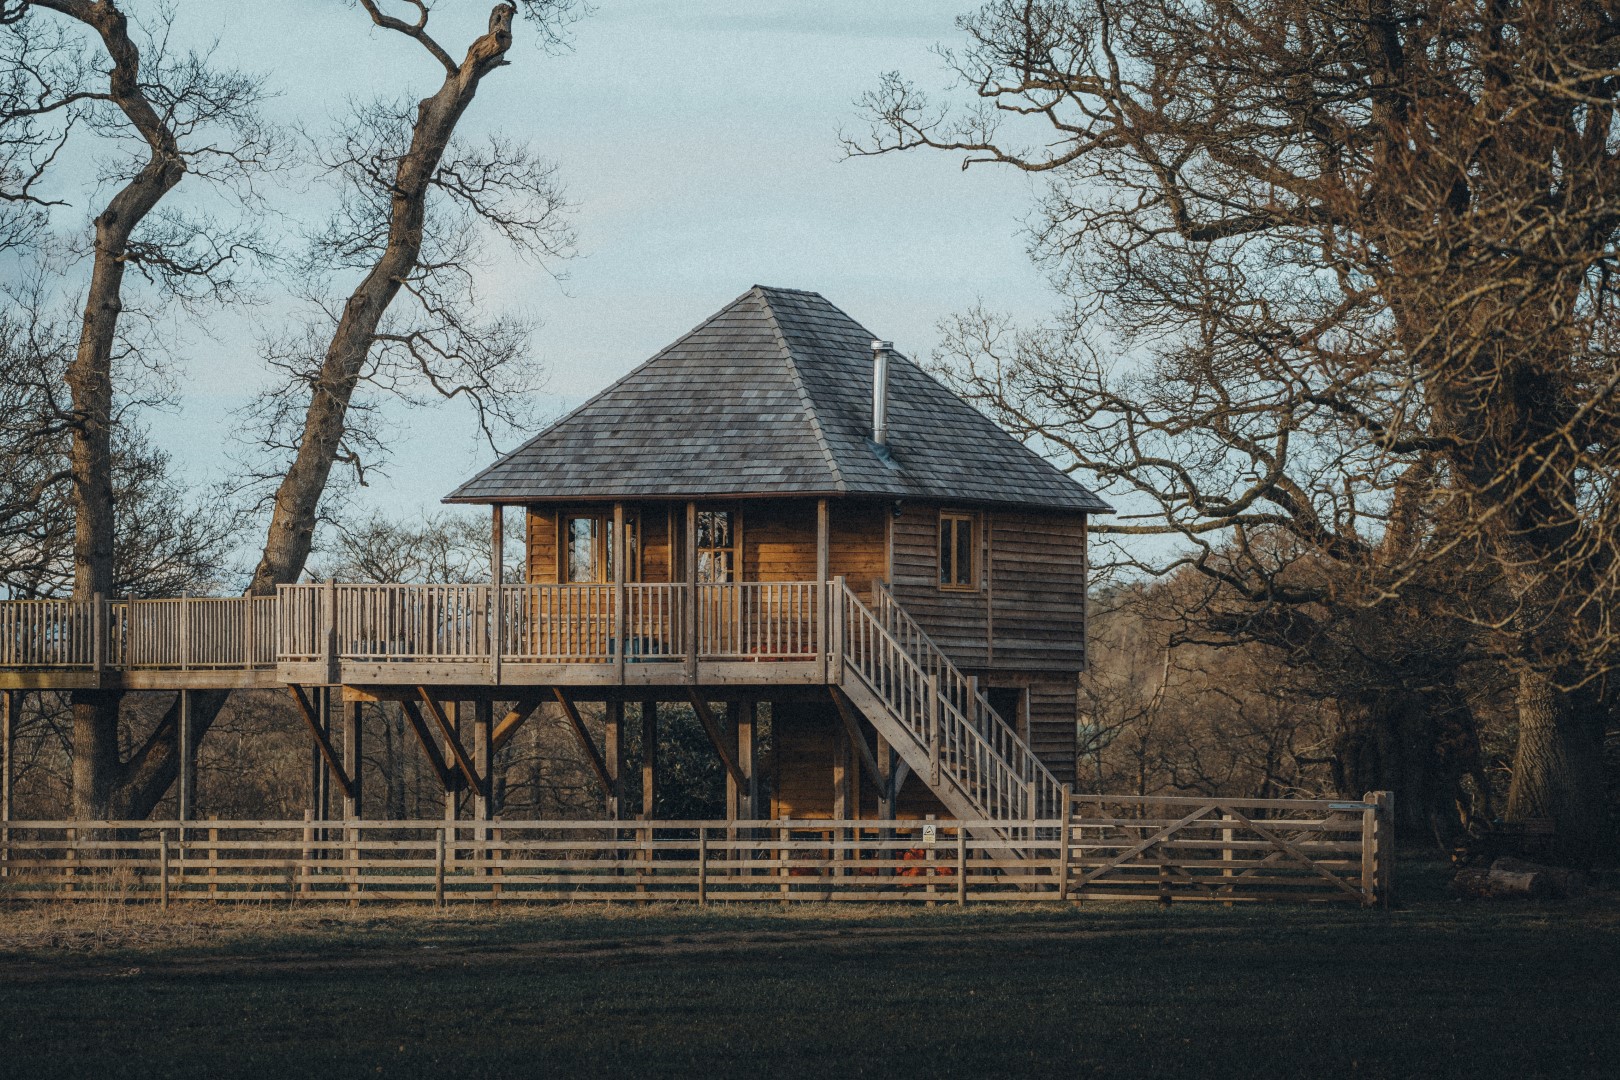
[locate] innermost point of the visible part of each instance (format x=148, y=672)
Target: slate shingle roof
x=772, y=395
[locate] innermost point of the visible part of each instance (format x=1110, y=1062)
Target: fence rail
x=1109, y=850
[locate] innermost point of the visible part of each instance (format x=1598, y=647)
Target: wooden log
x=1493, y=884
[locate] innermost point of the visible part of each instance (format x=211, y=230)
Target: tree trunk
x=1558, y=768
x=134, y=790
x=96, y=765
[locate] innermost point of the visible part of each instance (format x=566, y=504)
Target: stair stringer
x=915, y=754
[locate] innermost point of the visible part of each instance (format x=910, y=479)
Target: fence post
x=1382, y=847
x=961, y=865
x=163, y=869
x=497, y=856
x=305, y=871
x=782, y=857
x=1064, y=840
x=249, y=652
x=438, y=866
x=703, y=867
x=213, y=859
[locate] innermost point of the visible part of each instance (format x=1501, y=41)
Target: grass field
x=1436, y=989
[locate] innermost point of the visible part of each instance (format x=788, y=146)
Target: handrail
x=957, y=747
x=963, y=697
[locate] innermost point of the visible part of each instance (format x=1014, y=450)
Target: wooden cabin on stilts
x=776, y=513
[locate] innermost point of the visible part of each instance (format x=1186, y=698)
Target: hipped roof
x=772, y=395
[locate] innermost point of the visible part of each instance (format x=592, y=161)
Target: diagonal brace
x=464, y=760
x=430, y=745
x=584, y=738
x=706, y=717
x=321, y=741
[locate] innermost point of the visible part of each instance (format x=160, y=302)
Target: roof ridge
x=803, y=391
x=594, y=398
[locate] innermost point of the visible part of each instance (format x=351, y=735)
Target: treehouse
x=776, y=508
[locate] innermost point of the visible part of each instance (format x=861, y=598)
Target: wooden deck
x=641, y=635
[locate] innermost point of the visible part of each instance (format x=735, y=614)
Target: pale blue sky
x=700, y=142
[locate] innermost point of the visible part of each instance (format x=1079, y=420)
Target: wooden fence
x=1110, y=849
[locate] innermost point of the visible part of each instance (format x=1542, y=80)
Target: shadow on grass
x=1436, y=989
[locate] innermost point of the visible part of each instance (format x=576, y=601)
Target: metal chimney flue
x=880, y=391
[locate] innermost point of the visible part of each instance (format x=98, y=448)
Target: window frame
x=734, y=551
x=602, y=554
x=949, y=583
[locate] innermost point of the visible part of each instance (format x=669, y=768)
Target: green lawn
x=1436, y=989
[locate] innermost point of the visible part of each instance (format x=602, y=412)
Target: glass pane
x=964, y=552
x=945, y=549
x=581, y=549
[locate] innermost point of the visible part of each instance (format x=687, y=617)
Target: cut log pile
x=1514, y=879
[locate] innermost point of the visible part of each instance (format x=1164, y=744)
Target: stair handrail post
x=933, y=727
x=835, y=625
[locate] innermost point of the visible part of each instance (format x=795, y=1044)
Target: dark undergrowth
x=1434, y=989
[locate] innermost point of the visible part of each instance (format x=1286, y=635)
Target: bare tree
x=166, y=115
x=416, y=203
x=1386, y=232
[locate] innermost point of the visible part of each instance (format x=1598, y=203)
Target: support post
x=497, y=598
x=620, y=551
x=1065, y=841
x=9, y=700
x=353, y=756
x=747, y=718
x=691, y=594
x=961, y=866
x=163, y=869
x=823, y=570
x=452, y=792
x=484, y=758
x=841, y=809
x=613, y=758
x=649, y=757
x=186, y=744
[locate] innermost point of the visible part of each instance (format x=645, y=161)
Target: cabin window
x=587, y=548
x=716, y=546
x=956, y=548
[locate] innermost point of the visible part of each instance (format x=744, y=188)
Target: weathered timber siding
x=657, y=520
x=542, y=541
x=1028, y=613
x=806, y=739
x=779, y=540
x=957, y=621
x=860, y=543
x=1037, y=591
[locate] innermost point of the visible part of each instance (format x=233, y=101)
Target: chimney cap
x=882, y=346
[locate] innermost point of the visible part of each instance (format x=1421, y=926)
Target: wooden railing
x=1115, y=849
x=48, y=633
x=976, y=749
x=963, y=693
x=759, y=620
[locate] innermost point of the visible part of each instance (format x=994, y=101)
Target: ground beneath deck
x=1436, y=989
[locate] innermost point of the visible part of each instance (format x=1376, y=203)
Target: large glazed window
x=587, y=547
x=956, y=569
x=716, y=546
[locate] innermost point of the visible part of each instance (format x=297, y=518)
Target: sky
x=699, y=141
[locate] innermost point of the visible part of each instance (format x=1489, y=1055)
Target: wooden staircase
x=934, y=716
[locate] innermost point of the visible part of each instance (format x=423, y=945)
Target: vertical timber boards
x=806, y=738
x=859, y=543
x=1039, y=595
